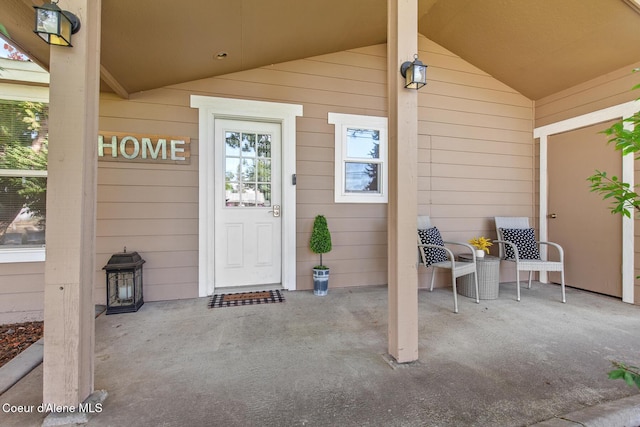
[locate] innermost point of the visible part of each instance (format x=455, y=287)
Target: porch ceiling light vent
x=415, y=73
x=54, y=25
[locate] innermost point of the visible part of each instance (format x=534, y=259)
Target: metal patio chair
x=433, y=253
x=517, y=243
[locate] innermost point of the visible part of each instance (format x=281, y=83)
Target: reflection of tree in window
x=249, y=144
x=372, y=169
x=361, y=141
x=23, y=147
x=362, y=176
x=228, y=177
x=248, y=169
x=264, y=145
x=233, y=141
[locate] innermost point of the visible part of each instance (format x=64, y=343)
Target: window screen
x=23, y=173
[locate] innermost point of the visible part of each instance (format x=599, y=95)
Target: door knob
x=552, y=216
x=276, y=210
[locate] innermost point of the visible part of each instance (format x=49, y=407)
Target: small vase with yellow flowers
x=481, y=244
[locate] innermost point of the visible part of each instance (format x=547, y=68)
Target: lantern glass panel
x=65, y=33
x=121, y=288
x=416, y=76
x=138, y=283
x=47, y=21
x=419, y=74
x=125, y=286
x=53, y=27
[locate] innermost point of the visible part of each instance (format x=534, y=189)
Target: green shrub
x=320, y=242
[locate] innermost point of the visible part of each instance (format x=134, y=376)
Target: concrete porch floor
x=322, y=361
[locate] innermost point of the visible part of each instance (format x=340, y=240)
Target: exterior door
x=580, y=221
x=247, y=203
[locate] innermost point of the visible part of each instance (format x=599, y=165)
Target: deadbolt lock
x=276, y=210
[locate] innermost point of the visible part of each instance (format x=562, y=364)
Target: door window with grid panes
x=247, y=169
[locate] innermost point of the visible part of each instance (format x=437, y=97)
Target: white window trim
x=16, y=255
x=342, y=122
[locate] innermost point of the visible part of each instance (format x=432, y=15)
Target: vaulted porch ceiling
x=538, y=48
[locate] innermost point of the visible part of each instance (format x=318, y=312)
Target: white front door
x=247, y=199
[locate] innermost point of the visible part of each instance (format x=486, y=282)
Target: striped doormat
x=246, y=298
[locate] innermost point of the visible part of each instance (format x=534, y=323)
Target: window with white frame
x=360, y=158
x=23, y=179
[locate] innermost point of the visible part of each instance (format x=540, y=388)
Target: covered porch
x=324, y=361
x=469, y=112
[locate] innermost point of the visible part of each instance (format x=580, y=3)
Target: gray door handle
x=276, y=210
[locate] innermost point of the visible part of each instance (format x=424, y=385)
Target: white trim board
x=616, y=112
x=15, y=255
x=210, y=109
x=342, y=123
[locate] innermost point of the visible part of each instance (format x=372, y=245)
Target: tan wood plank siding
x=150, y=208
x=21, y=292
x=475, y=162
x=605, y=91
x=475, y=151
x=602, y=92
x=21, y=307
x=161, y=197
x=27, y=283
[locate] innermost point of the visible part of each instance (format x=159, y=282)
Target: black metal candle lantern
x=124, y=282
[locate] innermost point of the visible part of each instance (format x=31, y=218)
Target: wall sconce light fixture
x=415, y=73
x=55, y=25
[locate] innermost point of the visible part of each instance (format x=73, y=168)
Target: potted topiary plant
x=320, y=243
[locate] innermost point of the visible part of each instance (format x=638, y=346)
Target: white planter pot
x=320, y=281
x=480, y=253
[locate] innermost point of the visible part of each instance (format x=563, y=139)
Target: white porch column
x=71, y=210
x=402, y=39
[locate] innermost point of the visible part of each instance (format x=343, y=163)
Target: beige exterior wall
x=605, y=91
x=476, y=161
x=151, y=208
x=476, y=157
x=21, y=292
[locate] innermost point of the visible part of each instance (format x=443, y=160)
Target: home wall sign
x=130, y=147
